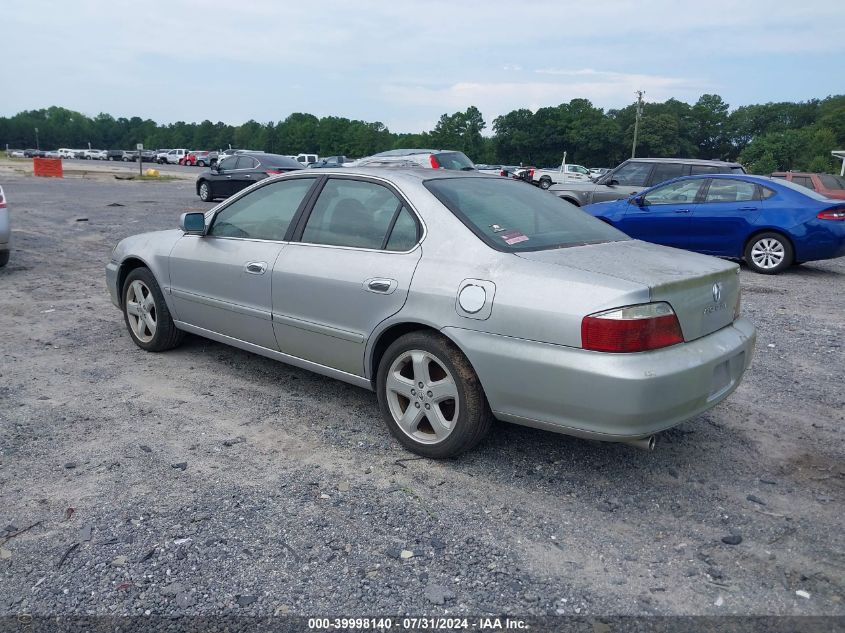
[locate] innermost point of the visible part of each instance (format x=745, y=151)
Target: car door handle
x=380, y=285
x=256, y=268
x=228, y=176
x=682, y=211
x=748, y=208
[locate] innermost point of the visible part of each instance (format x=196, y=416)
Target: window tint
x=405, y=232
x=832, y=182
x=682, y=192
x=737, y=170
x=228, y=163
x=698, y=170
x=632, y=174
x=246, y=162
x=667, y=171
x=730, y=191
x=767, y=193
x=454, y=160
x=351, y=213
x=509, y=216
x=263, y=214
x=804, y=181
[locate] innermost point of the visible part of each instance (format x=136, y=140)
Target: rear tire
x=4, y=258
x=146, y=314
x=205, y=192
x=545, y=182
x=769, y=253
x=445, y=417
x=200, y=163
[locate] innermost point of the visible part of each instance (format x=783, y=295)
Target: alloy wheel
x=768, y=253
x=422, y=396
x=141, y=311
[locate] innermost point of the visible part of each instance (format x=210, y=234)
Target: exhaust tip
x=644, y=443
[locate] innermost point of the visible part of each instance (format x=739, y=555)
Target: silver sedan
x=458, y=298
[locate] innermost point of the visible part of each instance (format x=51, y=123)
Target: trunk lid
x=702, y=290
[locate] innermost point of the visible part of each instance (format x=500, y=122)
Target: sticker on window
x=514, y=237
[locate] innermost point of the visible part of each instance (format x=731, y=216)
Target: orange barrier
x=49, y=167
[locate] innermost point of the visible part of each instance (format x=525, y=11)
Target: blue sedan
x=769, y=223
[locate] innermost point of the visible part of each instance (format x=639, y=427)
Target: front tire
x=205, y=192
x=769, y=253
x=146, y=314
x=200, y=163
x=430, y=396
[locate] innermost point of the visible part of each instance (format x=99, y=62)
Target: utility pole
x=640, y=94
x=37, y=145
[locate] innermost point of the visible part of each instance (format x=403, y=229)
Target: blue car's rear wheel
x=769, y=253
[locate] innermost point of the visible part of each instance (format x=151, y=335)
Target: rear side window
x=730, y=191
x=803, y=181
x=405, y=232
x=357, y=214
x=263, y=214
x=632, y=174
x=698, y=170
x=667, y=171
x=511, y=216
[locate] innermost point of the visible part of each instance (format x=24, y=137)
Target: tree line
x=765, y=137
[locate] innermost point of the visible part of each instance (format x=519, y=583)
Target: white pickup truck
x=563, y=174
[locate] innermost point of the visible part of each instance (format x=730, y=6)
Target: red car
x=826, y=184
x=199, y=159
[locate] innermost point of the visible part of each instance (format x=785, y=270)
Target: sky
x=406, y=62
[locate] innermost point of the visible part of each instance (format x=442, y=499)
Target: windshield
x=512, y=216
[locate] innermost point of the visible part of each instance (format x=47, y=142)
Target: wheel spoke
x=399, y=384
x=138, y=291
x=140, y=327
x=445, y=389
x=410, y=419
x=420, y=361
x=133, y=308
x=151, y=324
x=439, y=424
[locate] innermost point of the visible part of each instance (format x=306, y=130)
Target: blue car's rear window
x=515, y=216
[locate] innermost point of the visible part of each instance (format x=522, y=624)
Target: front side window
x=228, y=163
x=263, y=214
x=683, y=192
x=730, y=191
x=246, y=162
x=632, y=174
x=509, y=216
x=354, y=213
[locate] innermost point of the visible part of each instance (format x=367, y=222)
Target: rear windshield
x=454, y=160
x=832, y=182
x=514, y=216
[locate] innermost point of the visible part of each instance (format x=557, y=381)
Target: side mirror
x=215, y=166
x=612, y=182
x=192, y=223
x=639, y=200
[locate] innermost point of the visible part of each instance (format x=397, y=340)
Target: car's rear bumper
x=607, y=396
x=111, y=282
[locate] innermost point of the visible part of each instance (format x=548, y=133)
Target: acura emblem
x=717, y=292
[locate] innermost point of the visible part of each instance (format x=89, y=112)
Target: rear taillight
x=633, y=329
x=503, y=173
x=435, y=164
x=832, y=214
x=531, y=174
x=274, y=172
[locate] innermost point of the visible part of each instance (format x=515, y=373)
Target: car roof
x=404, y=174
x=412, y=152
x=685, y=161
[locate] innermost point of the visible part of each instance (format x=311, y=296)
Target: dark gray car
x=636, y=174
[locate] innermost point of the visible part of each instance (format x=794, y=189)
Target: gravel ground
x=207, y=480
